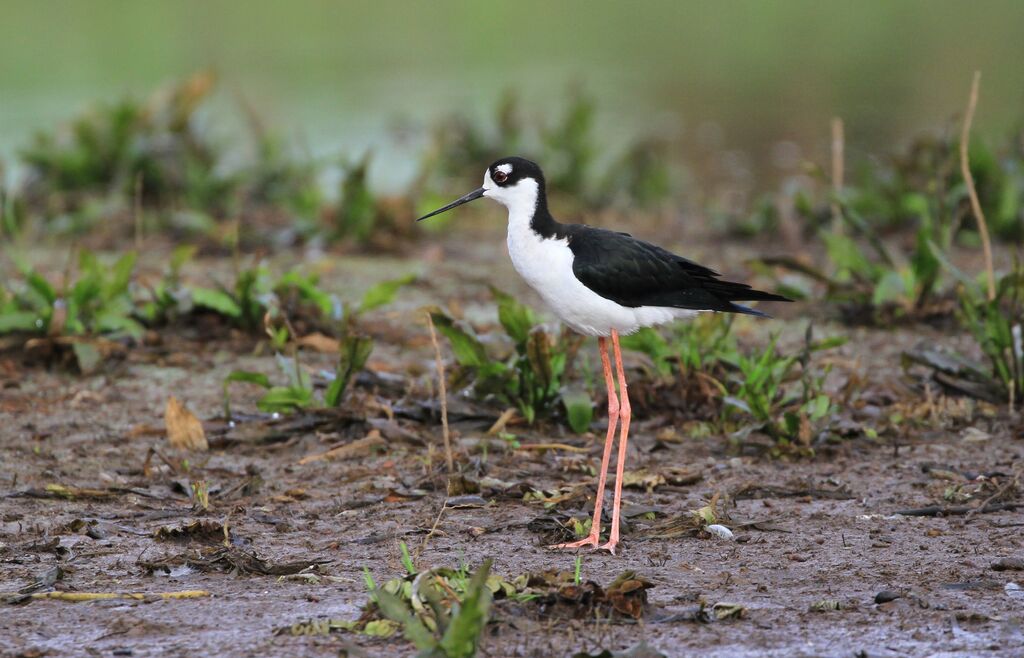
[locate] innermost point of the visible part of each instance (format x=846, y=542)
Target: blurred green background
x=342, y=77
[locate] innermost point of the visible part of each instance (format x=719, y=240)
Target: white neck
x=520, y=199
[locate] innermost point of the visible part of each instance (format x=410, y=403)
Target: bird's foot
x=591, y=540
x=609, y=546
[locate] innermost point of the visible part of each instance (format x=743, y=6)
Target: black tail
x=730, y=292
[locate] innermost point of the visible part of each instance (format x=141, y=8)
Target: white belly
x=546, y=264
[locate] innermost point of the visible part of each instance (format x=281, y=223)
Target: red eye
x=500, y=177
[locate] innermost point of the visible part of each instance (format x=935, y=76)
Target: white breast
x=546, y=264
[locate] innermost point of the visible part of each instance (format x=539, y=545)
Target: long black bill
x=475, y=194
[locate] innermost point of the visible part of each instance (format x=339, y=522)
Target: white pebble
x=719, y=531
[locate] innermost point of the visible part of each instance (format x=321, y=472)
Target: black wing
x=634, y=273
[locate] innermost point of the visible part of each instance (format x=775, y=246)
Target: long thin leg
x=613, y=416
x=620, y=467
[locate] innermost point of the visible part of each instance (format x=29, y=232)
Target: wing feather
x=635, y=273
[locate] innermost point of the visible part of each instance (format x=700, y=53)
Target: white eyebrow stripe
x=505, y=168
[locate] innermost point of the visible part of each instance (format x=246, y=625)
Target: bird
x=601, y=283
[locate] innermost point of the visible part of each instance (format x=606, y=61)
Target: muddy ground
x=821, y=563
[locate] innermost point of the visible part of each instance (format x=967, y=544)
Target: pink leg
x=613, y=416
x=624, y=414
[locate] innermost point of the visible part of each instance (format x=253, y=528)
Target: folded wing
x=634, y=273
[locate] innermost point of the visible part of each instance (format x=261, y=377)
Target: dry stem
x=838, y=149
x=137, y=211
x=75, y=597
x=444, y=397
x=965, y=170
x=433, y=528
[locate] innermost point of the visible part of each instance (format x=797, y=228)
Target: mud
x=817, y=540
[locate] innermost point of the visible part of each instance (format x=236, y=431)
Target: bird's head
x=516, y=183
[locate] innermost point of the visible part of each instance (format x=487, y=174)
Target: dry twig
x=552, y=446
x=444, y=397
x=433, y=529
x=838, y=148
x=77, y=597
x=137, y=211
x=1002, y=491
x=972, y=192
x=940, y=510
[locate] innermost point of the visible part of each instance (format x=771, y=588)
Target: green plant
x=354, y=349
x=407, y=562
x=296, y=393
x=918, y=190
x=169, y=299
x=760, y=386
x=531, y=377
x=567, y=145
x=888, y=281
x=451, y=631
x=244, y=303
x=695, y=346
x=357, y=212
x=570, y=146
x=278, y=180
x=641, y=176
x=996, y=327
x=201, y=495
x=12, y=211
x=895, y=192
x=153, y=150
x=98, y=301
x=255, y=293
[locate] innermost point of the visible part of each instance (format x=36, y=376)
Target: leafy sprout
x=531, y=378
x=97, y=301
x=439, y=631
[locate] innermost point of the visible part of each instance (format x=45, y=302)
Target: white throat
x=520, y=199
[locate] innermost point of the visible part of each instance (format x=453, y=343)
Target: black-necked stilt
x=601, y=283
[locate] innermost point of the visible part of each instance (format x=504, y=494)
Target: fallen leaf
x=183, y=428
x=62, y=491
x=199, y=530
x=974, y=435
x=642, y=479
x=320, y=343
x=357, y=448
x=628, y=594
x=729, y=611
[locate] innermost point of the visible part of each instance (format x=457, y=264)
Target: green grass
x=95, y=299
x=780, y=394
x=996, y=326
x=531, y=377
x=443, y=629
